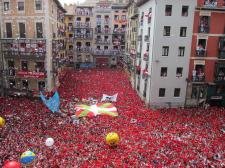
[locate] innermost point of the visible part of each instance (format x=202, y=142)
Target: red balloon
x=12, y=164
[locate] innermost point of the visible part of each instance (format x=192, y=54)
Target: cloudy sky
x=71, y=1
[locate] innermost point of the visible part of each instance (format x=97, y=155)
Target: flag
x=83, y=110
x=112, y=98
x=52, y=103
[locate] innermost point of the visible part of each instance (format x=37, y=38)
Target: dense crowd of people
x=148, y=138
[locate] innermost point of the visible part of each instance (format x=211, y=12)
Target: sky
x=71, y=1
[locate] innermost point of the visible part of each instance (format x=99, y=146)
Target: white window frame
x=5, y=33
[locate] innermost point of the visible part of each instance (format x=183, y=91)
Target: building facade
x=165, y=32
x=206, y=82
x=119, y=29
x=131, y=57
x=31, y=32
x=103, y=52
x=83, y=35
x=69, y=23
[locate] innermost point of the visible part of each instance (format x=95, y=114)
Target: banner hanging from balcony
x=27, y=74
x=52, y=103
x=84, y=110
x=112, y=98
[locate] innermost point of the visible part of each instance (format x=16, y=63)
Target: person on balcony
x=221, y=75
x=200, y=50
x=194, y=72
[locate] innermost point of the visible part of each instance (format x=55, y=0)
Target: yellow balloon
x=2, y=122
x=112, y=139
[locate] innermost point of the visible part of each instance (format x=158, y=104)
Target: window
x=183, y=31
x=22, y=30
x=179, y=72
x=41, y=85
x=116, y=17
x=106, y=47
x=166, y=31
x=149, y=31
x=168, y=10
x=24, y=65
x=162, y=92
x=39, y=30
x=184, y=10
x=21, y=6
x=165, y=51
x=38, y=4
x=40, y=67
x=123, y=17
x=25, y=84
x=6, y=6
x=150, y=15
x=147, y=47
x=145, y=88
x=181, y=51
x=177, y=92
x=163, y=72
x=8, y=30
x=12, y=83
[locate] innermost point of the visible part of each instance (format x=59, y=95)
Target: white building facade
x=165, y=34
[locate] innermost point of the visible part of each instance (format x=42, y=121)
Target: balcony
x=31, y=74
x=201, y=53
x=83, y=36
x=198, y=78
x=70, y=28
x=70, y=52
x=203, y=29
x=24, y=48
x=106, y=52
x=82, y=25
x=119, y=31
x=102, y=31
x=70, y=40
x=100, y=41
x=222, y=48
x=102, y=10
x=106, y=21
x=220, y=72
x=120, y=21
x=81, y=12
x=11, y=72
x=146, y=38
x=83, y=49
x=220, y=77
x=210, y=4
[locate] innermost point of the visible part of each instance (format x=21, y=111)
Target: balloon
x=49, y=142
x=112, y=139
x=12, y=164
x=27, y=157
x=2, y=122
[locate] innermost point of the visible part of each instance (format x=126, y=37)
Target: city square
x=112, y=83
